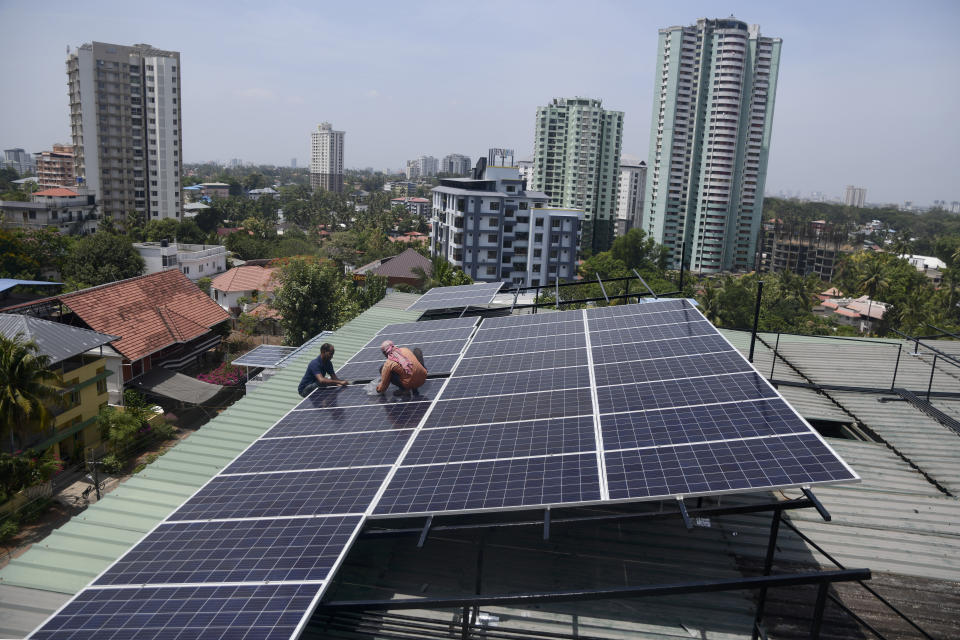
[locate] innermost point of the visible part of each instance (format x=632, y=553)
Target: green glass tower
x=715, y=85
x=576, y=162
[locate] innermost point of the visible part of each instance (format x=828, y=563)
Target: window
x=491, y=237
x=524, y=206
x=511, y=188
x=539, y=222
x=538, y=237
x=492, y=255
x=537, y=253
x=101, y=386
x=494, y=206
x=491, y=271
x=493, y=222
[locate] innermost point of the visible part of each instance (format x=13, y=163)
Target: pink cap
x=386, y=346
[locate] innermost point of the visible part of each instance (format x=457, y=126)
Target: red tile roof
x=147, y=312
x=59, y=192
x=245, y=278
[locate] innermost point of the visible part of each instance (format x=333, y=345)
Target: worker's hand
x=343, y=383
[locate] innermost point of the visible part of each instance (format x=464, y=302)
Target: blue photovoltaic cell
x=520, y=482
x=266, y=495
x=503, y=440
x=528, y=331
x=430, y=325
x=419, y=338
x=520, y=382
x=739, y=465
x=459, y=296
x=291, y=549
x=354, y=395
x=548, y=317
x=525, y=345
x=657, y=332
x=707, y=343
x=322, y=452
x=522, y=362
x=508, y=408
x=682, y=393
x=644, y=320
x=699, y=424
x=651, y=306
x=262, y=612
x=670, y=368
x=312, y=422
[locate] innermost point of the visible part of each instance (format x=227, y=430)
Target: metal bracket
x=425, y=532
x=687, y=522
x=602, y=288
x=817, y=504
x=644, y=283
x=546, y=523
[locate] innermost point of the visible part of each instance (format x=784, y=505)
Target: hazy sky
x=869, y=93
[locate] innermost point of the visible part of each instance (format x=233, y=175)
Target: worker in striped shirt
x=403, y=367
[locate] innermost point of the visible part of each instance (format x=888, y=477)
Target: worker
x=320, y=372
x=403, y=368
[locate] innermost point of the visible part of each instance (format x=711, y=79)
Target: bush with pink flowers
x=225, y=375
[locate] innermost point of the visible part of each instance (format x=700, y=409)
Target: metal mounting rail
x=930, y=410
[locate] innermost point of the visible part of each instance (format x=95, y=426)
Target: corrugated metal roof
x=74, y=554
x=59, y=341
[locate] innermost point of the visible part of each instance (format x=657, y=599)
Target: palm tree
x=25, y=387
x=442, y=274
x=710, y=302
x=902, y=245
x=873, y=280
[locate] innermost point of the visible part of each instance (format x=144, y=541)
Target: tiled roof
x=399, y=266
x=246, y=278
x=148, y=312
x=56, y=192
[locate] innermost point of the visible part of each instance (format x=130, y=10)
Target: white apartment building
x=422, y=167
x=125, y=106
x=633, y=179
x=855, y=196
x=710, y=135
x=495, y=230
x=326, y=158
x=456, y=163
x=526, y=171
x=194, y=260
x=67, y=211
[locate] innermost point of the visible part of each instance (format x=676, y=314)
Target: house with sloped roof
x=250, y=282
x=76, y=355
x=161, y=320
x=398, y=269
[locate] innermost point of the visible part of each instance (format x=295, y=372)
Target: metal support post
x=515, y=296
x=644, y=283
x=556, y=293
x=776, y=348
x=933, y=369
x=683, y=259
x=546, y=523
x=425, y=532
x=687, y=522
x=893, y=383
x=756, y=318
x=822, y=510
x=767, y=568
x=602, y=288
x=626, y=295
x=818, y=610
x=536, y=300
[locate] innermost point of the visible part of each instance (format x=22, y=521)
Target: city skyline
x=851, y=109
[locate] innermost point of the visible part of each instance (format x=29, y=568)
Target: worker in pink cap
x=403, y=368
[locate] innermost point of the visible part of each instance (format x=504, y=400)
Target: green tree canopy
x=312, y=297
x=27, y=388
x=101, y=258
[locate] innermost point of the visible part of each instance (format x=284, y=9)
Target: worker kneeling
x=403, y=368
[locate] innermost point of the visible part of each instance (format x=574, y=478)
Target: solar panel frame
x=421, y=325
x=419, y=338
x=331, y=420
x=459, y=296
x=267, y=356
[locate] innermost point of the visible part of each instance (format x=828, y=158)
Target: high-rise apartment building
x=495, y=230
x=422, y=167
x=855, y=196
x=18, y=160
x=456, y=164
x=576, y=162
x=55, y=168
x=326, y=158
x=526, y=171
x=125, y=106
x=709, y=141
x=633, y=180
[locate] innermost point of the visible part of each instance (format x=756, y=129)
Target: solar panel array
x=625, y=403
x=634, y=402
x=455, y=297
x=248, y=555
x=268, y=356
x=440, y=340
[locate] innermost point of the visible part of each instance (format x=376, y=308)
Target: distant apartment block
x=709, y=141
x=633, y=180
x=526, y=171
x=416, y=206
x=455, y=164
x=422, y=167
x=401, y=188
x=125, y=119
x=495, y=230
x=577, y=163
x=326, y=158
x=55, y=167
x=855, y=196
x=18, y=160
x=802, y=247
x=67, y=211
x=193, y=260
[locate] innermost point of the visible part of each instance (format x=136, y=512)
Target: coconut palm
x=872, y=281
x=442, y=274
x=26, y=387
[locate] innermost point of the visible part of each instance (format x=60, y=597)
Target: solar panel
x=524, y=345
x=267, y=356
x=311, y=422
x=456, y=297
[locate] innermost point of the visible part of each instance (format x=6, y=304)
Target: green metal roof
x=73, y=555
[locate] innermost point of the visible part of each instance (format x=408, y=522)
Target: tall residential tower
x=709, y=140
x=326, y=158
x=125, y=105
x=576, y=162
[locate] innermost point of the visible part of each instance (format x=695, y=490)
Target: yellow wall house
x=75, y=357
